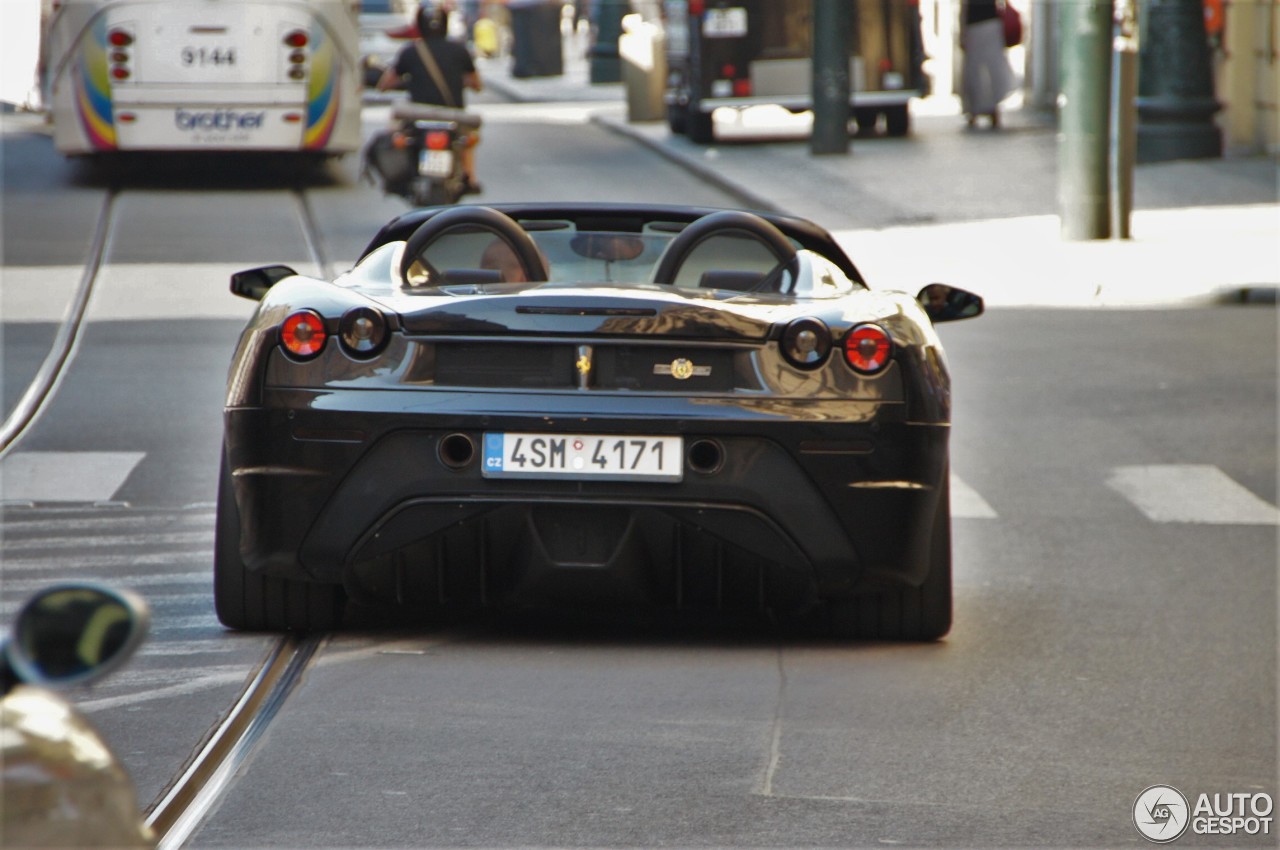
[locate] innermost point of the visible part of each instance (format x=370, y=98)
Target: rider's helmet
x=433, y=18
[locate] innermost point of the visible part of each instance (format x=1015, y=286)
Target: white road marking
x=132, y=582
x=231, y=676
x=102, y=541
x=1191, y=493
x=967, y=504
x=65, y=476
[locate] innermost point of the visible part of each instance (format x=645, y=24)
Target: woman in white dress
x=985, y=77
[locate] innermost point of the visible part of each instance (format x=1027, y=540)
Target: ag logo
x=1161, y=813
x=681, y=369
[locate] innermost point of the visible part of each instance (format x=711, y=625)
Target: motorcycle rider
x=437, y=71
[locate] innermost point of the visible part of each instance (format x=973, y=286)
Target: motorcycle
x=61, y=784
x=421, y=158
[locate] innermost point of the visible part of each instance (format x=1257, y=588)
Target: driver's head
x=500, y=256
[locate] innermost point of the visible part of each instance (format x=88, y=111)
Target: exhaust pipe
x=706, y=457
x=456, y=451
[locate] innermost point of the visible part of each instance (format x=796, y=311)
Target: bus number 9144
x=205, y=56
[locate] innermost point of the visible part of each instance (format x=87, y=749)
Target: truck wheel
x=251, y=601
x=909, y=613
x=700, y=127
x=897, y=120
x=866, y=118
x=677, y=119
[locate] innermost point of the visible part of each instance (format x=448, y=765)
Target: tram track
x=209, y=771
x=46, y=379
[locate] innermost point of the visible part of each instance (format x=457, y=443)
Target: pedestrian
x=985, y=76
x=436, y=72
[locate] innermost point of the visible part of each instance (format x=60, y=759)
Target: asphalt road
x=1115, y=569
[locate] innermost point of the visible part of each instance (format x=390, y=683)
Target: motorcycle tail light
x=296, y=39
x=362, y=332
x=867, y=348
x=806, y=343
x=437, y=140
x=303, y=334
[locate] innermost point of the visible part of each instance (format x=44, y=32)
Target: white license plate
x=725, y=23
x=619, y=457
x=435, y=163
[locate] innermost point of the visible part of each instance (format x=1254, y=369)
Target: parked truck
x=742, y=53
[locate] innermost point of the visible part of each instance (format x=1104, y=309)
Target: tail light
x=806, y=343
x=437, y=140
x=295, y=61
x=362, y=332
x=120, y=39
x=303, y=334
x=867, y=348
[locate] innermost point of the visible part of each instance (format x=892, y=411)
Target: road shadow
x=653, y=627
x=222, y=171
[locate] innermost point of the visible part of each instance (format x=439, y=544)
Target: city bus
x=202, y=75
x=742, y=53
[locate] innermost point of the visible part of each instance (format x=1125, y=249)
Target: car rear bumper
x=814, y=504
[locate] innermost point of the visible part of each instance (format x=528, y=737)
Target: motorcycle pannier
x=396, y=165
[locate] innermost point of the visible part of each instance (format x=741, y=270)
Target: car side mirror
x=254, y=283
x=69, y=634
x=943, y=303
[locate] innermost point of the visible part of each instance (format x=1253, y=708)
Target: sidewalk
x=977, y=209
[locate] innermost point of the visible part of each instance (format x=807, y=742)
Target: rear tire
x=433, y=194
x=908, y=613
x=250, y=601
x=699, y=126
x=897, y=121
x=677, y=119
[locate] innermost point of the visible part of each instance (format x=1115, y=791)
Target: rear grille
x=505, y=366
x=555, y=365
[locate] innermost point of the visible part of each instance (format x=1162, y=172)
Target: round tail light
x=806, y=343
x=303, y=334
x=867, y=349
x=296, y=39
x=119, y=38
x=362, y=332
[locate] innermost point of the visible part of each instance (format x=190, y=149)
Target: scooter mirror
x=70, y=634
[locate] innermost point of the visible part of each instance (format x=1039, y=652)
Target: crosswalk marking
x=65, y=476
x=1191, y=493
x=966, y=503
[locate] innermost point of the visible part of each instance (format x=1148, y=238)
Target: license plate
x=581, y=456
x=435, y=163
x=725, y=23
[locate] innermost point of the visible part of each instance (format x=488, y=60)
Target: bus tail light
x=867, y=349
x=302, y=334
x=297, y=39
x=120, y=38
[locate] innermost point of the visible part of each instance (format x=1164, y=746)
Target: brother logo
x=218, y=119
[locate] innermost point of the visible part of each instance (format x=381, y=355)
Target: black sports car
x=587, y=404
